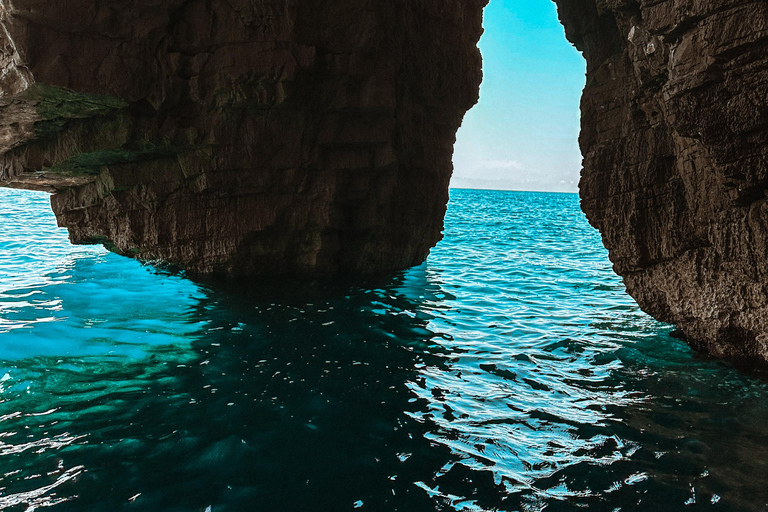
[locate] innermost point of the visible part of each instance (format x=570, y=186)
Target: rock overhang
x=250, y=137
x=244, y=137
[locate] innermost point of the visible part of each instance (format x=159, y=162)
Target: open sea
x=510, y=372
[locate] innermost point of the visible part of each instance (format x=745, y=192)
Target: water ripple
x=509, y=372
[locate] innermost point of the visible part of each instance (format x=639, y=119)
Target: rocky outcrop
x=255, y=136
x=241, y=136
x=675, y=144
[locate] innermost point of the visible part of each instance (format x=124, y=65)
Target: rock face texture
x=315, y=136
x=241, y=136
x=675, y=144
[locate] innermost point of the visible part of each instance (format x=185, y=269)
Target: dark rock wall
x=241, y=136
x=675, y=144
x=256, y=136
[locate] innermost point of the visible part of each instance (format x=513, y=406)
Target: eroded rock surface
x=272, y=136
x=675, y=140
x=241, y=136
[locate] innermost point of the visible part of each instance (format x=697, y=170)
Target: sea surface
x=510, y=372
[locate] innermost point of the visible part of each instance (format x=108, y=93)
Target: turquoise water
x=510, y=372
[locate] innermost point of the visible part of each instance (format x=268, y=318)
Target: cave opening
x=509, y=371
x=523, y=133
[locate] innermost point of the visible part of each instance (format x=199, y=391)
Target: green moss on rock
x=57, y=102
x=93, y=162
x=56, y=106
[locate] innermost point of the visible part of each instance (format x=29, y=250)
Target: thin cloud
x=501, y=164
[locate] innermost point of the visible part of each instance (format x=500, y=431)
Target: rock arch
x=247, y=137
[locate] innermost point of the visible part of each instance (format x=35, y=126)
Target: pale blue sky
x=523, y=134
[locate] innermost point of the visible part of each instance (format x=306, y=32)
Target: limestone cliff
x=675, y=144
x=241, y=136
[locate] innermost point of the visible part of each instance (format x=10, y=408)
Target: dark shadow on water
x=292, y=396
x=510, y=373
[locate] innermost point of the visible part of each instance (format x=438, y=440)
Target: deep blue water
x=510, y=372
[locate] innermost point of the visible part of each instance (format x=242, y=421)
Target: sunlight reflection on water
x=509, y=372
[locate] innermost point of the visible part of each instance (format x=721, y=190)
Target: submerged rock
x=241, y=136
x=675, y=144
